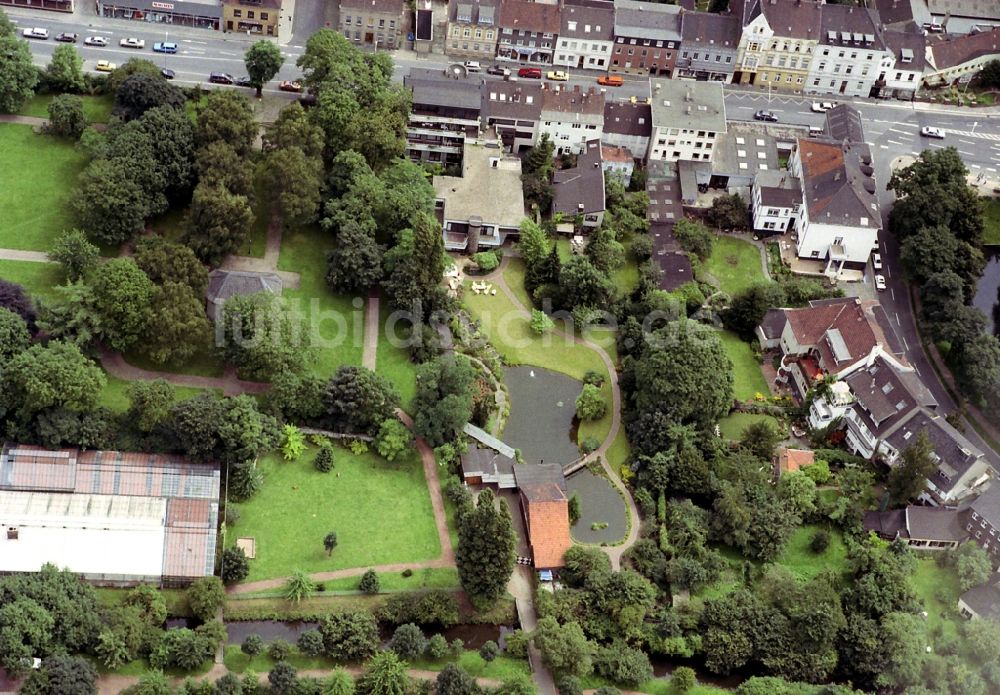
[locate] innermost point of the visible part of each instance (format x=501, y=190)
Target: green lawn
x=394, y=363
x=115, y=394
x=334, y=324
x=37, y=176
x=991, y=215
x=206, y=362
x=804, y=563
x=734, y=264
x=732, y=425
x=937, y=588
x=380, y=511
x=97, y=109
x=176, y=599
x=38, y=279
x=748, y=380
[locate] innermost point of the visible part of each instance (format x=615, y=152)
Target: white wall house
x=775, y=199
x=587, y=34
x=687, y=117
x=902, y=68
x=839, y=219
x=850, y=52
x=571, y=117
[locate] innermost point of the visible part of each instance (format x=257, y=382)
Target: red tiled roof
x=548, y=527
x=790, y=460
x=529, y=16
x=949, y=52
x=851, y=317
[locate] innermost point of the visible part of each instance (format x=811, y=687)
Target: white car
x=95, y=41
x=472, y=66
x=35, y=33
x=132, y=42
x=877, y=261
x=880, y=283
x=931, y=132
x=821, y=106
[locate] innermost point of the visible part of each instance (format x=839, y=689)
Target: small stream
x=473, y=636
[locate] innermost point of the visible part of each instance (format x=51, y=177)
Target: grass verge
x=97, y=109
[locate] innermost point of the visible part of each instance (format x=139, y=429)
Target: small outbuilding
x=223, y=284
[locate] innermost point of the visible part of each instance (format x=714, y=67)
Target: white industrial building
x=113, y=517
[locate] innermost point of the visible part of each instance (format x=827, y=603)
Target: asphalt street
x=892, y=127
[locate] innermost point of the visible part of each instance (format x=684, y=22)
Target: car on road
x=932, y=132
x=765, y=116
x=880, y=283
x=243, y=81
x=105, y=66
x=35, y=33
x=95, y=41
x=472, y=66
x=289, y=86
x=557, y=75
x=611, y=80
x=497, y=70
x=877, y=261
x=132, y=42
x=221, y=78
x=168, y=73
x=821, y=106
x=533, y=73
x=164, y=47
x=67, y=37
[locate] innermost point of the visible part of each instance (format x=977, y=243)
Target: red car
x=288, y=86
x=533, y=73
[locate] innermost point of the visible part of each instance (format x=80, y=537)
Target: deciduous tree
x=295, y=181
x=205, y=596
x=141, y=92
x=909, y=477
x=355, y=263
x=226, y=116
x=180, y=328
x=18, y=76
x=485, y=554
x=443, y=403
x=75, y=254
x=565, y=649
x=66, y=117
x=64, y=73
x=109, y=204
x=263, y=60
x=357, y=400
x=123, y=297
x=218, y=223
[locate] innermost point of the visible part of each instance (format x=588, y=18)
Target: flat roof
x=688, y=105
x=489, y=188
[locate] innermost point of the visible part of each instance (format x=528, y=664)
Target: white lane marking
x=897, y=315
x=906, y=345
x=967, y=154
x=884, y=147
x=893, y=142
x=897, y=130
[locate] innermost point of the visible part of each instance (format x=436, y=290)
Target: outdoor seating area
x=484, y=288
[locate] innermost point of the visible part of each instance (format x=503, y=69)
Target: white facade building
x=850, y=53
x=571, y=117
x=687, y=117
x=587, y=35
x=775, y=199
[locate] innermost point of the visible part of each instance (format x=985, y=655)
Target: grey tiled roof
x=598, y=15
x=580, y=189
x=540, y=474
x=648, y=20
x=708, y=29
x=987, y=505
x=956, y=453
x=223, y=284
x=984, y=600
x=859, y=22
x=934, y=524
x=437, y=88
x=795, y=19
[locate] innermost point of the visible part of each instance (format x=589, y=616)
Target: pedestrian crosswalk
x=970, y=134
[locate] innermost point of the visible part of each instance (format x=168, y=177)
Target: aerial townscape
x=500, y=347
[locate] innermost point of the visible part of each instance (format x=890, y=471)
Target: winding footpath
x=615, y=552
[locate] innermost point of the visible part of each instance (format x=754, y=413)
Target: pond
x=542, y=407
x=603, y=517
x=987, y=299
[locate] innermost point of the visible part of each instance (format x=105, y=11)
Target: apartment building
x=778, y=43
x=472, y=29
x=850, y=53
x=445, y=112
x=775, y=198
x=513, y=109
x=902, y=65
x=647, y=38
x=586, y=34
x=687, y=117
x=375, y=23
x=709, y=44
x=628, y=125
x=256, y=16
x=528, y=32
x=571, y=117
x=957, y=59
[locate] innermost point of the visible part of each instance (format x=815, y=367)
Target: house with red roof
x=957, y=59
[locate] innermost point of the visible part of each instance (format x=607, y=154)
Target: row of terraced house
x=792, y=46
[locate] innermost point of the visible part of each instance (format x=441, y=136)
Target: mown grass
x=97, y=109
x=38, y=174
x=38, y=279
x=734, y=264
x=333, y=323
x=114, y=396
x=389, y=583
x=393, y=361
x=748, y=379
x=176, y=599
x=732, y=425
x=380, y=511
x=802, y=562
x=991, y=217
x=937, y=588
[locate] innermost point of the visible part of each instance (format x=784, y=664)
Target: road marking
x=893, y=142
x=990, y=169
x=897, y=315
x=973, y=166
x=203, y=43
x=884, y=147
x=967, y=154
x=966, y=142
x=897, y=130
x=906, y=345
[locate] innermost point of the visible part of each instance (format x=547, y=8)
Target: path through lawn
x=380, y=511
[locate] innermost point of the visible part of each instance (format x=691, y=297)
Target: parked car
x=534, y=73
x=67, y=37
x=875, y=243
x=877, y=261
x=220, y=78
x=95, y=41
x=472, y=66
x=557, y=75
x=880, y=283
x=931, y=132
x=611, y=80
x=105, y=66
x=164, y=47
x=35, y=33
x=243, y=81
x=168, y=73
x=821, y=106
x=497, y=70
x=765, y=116
x=289, y=86
x=132, y=42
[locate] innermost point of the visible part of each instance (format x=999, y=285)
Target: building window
x=12, y=533
x=264, y=16
x=249, y=14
